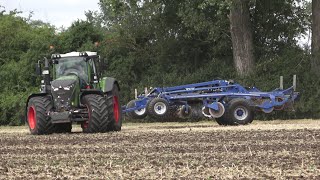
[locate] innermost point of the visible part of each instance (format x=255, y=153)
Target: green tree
x=277, y=24
x=81, y=35
x=315, y=62
x=23, y=43
x=242, y=37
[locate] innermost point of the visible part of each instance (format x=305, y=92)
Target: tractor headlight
x=54, y=89
x=67, y=88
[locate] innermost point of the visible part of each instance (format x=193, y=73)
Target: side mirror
x=38, y=69
x=103, y=65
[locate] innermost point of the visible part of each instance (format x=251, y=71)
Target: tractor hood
x=65, y=81
x=64, y=91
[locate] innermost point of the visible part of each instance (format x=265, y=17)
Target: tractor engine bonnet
x=63, y=92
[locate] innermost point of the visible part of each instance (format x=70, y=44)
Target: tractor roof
x=73, y=54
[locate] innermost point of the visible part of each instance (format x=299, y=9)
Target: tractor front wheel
x=37, y=116
x=98, y=114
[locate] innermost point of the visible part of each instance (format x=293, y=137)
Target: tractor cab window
x=72, y=65
x=92, y=67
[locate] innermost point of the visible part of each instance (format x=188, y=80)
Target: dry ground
x=204, y=150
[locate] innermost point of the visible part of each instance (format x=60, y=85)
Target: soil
x=204, y=150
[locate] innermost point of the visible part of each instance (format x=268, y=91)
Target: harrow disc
x=184, y=112
x=217, y=113
x=205, y=112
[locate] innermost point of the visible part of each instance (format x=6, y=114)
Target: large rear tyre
x=37, y=116
x=137, y=114
x=239, y=112
x=116, y=115
x=98, y=114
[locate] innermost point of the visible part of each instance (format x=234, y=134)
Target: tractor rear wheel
x=37, y=116
x=98, y=114
x=113, y=98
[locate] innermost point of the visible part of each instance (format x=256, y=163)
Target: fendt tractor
x=73, y=91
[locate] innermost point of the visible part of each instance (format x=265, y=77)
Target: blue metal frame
x=215, y=91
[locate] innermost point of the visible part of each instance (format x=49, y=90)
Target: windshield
x=72, y=65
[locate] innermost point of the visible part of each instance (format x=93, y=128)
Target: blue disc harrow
x=226, y=101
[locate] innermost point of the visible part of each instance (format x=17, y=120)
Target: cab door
x=93, y=76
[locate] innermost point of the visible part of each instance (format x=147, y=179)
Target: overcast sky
x=56, y=12
x=64, y=12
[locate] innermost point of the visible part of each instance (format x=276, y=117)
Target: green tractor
x=73, y=91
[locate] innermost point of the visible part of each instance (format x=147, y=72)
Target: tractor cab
x=81, y=65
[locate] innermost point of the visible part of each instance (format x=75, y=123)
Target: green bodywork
x=102, y=84
x=66, y=80
x=81, y=70
x=75, y=97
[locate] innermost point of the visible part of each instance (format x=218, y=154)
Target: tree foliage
x=315, y=37
x=162, y=43
x=23, y=43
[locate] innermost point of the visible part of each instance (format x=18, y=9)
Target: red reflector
x=88, y=87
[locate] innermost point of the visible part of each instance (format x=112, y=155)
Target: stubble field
x=204, y=150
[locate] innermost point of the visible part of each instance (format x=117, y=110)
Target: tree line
x=165, y=43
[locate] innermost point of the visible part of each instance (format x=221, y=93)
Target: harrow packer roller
x=228, y=102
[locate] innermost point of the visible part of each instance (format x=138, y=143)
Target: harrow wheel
x=239, y=112
x=158, y=108
x=222, y=121
x=137, y=114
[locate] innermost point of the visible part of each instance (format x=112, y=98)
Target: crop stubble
x=204, y=150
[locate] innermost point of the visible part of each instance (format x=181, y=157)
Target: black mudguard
x=109, y=83
x=90, y=91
